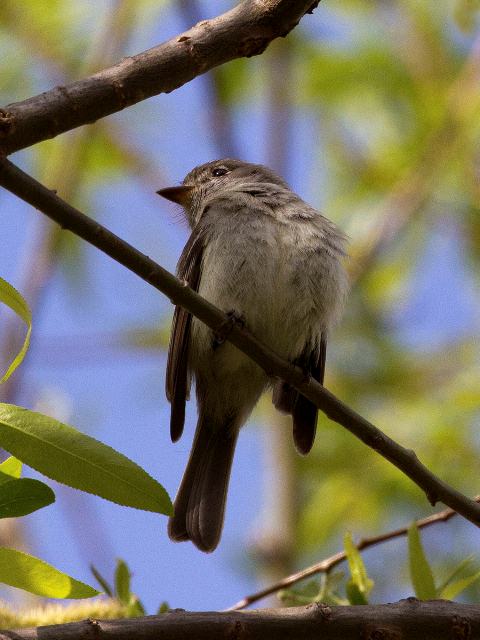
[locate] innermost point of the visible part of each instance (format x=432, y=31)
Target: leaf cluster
x=359, y=585
x=66, y=455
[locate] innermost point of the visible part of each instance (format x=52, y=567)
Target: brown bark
x=405, y=620
x=245, y=30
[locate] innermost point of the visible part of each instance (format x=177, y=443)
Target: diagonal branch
x=25, y=187
x=245, y=30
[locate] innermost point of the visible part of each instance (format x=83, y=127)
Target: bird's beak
x=181, y=195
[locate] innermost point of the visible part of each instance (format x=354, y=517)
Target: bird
x=274, y=263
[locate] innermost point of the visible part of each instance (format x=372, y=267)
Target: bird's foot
x=233, y=318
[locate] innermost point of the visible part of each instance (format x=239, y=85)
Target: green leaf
x=460, y=568
x=420, y=571
x=12, y=467
x=302, y=595
x=359, y=585
x=101, y=581
x=163, y=608
x=122, y=582
x=329, y=583
x=135, y=608
x=11, y=297
x=453, y=589
x=64, y=454
x=19, y=497
x=26, y=572
x=354, y=595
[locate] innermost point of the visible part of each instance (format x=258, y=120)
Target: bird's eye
x=219, y=171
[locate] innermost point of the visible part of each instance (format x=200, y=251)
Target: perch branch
x=246, y=30
x=31, y=191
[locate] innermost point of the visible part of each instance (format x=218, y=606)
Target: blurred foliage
x=122, y=591
x=359, y=585
x=390, y=90
x=399, y=103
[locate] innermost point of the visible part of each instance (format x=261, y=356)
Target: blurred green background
x=371, y=111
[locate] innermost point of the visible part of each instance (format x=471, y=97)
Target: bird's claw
x=233, y=318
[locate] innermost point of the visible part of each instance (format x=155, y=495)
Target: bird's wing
x=289, y=400
x=178, y=377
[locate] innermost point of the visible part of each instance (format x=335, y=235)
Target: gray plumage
x=259, y=250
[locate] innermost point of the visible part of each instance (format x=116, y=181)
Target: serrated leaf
x=12, y=467
x=453, y=589
x=13, y=299
x=19, y=497
x=101, y=581
x=31, y=574
x=359, y=585
x=64, y=454
x=122, y=582
x=420, y=571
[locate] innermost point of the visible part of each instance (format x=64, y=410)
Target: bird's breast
x=258, y=269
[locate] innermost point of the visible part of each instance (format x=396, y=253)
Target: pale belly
x=267, y=285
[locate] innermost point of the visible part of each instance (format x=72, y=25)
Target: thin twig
x=326, y=565
x=246, y=30
x=25, y=187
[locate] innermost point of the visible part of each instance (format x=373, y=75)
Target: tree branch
x=405, y=620
x=25, y=187
x=245, y=30
x=326, y=565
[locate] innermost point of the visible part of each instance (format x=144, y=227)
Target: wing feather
x=178, y=376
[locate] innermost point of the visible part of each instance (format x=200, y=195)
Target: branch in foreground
x=25, y=187
x=326, y=565
x=244, y=31
x=405, y=620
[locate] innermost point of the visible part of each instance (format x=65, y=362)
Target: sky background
x=78, y=370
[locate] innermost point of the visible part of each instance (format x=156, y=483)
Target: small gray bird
x=260, y=253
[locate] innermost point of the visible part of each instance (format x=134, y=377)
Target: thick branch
x=245, y=30
x=70, y=218
x=405, y=620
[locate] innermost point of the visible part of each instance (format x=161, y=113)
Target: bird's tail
x=200, y=501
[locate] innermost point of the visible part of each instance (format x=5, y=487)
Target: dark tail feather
x=289, y=400
x=304, y=424
x=200, y=501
